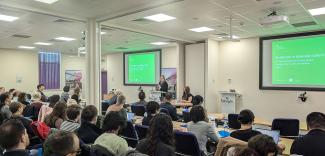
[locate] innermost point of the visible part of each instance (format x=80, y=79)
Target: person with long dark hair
x=163, y=85
x=201, y=128
x=22, y=98
x=58, y=115
x=160, y=138
x=187, y=96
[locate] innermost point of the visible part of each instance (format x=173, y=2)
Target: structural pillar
x=93, y=89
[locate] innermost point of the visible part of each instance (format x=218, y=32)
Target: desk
x=182, y=104
x=287, y=143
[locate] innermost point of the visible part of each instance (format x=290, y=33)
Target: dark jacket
x=162, y=149
x=163, y=86
x=146, y=120
x=26, y=123
x=171, y=109
x=16, y=153
x=244, y=135
x=88, y=132
x=312, y=144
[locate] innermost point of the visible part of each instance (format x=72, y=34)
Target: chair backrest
x=97, y=150
x=138, y=110
x=186, y=116
x=130, y=135
x=141, y=131
x=233, y=121
x=164, y=110
x=287, y=127
x=186, y=144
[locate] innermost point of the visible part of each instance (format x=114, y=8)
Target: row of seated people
x=68, y=119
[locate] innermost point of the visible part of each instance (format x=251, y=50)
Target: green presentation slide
x=299, y=61
x=142, y=68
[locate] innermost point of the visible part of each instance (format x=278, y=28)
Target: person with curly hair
x=160, y=138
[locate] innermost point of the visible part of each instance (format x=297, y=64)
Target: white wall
x=239, y=61
x=114, y=64
x=24, y=64
x=195, y=68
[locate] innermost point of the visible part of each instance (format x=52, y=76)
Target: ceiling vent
x=62, y=21
x=121, y=48
x=304, y=24
x=142, y=21
x=21, y=36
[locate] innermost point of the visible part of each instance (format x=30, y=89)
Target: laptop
x=130, y=116
x=272, y=133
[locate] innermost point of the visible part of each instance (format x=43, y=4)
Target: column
x=180, y=69
x=93, y=89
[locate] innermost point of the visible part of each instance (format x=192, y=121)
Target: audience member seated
x=17, y=109
x=263, y=145
x=76, y=95
x=152, y=109
x=88, y=131
x=246, y=119
x=167, y=105
x=201, y=127
x=14, y=138
x=40, y=89
x=197, y=100
x=33, y=110
x=313, y=142
x=160, y=138
x=65, y=95
x=22, y=98
x=118, y=107
x=112, y=124
x=2, y=90
x=15, y=95
x=187, y=96
x=4, y=106
x=46, y=110
x=73, y=119
x=62, y=143
x=142, y=97
x=11, y=92
x=57, y=116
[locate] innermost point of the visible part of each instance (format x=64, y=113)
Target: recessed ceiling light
x=65, y=38
x=43, y=43
x=201, y=29
x=7, y=18
x=317, y=11
x=159, y=43
x=235, y=37
x=103, y=33
x=160, y=18
x=47, y=1
x=25, y=47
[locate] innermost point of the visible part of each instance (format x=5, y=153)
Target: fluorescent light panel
x=201, y=29
x=159, y=43
x=160, y=18
x=7, y=18
x=25, y=47
x=47, y=1
x=317, y=11
x=103, y=33
x=43, y=43
x=65, y=38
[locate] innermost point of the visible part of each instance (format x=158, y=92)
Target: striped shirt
x=69, y=126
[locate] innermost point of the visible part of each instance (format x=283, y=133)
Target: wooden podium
x=228, y=101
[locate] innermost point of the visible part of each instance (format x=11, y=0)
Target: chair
x=233, y=121
x=138, y=110
x=130, y=135
x=141, y=131
x=186, y=144
x=186, y=116
x=287, y=127
x=164, y=110
x=105, y=105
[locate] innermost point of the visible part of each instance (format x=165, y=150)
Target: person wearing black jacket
x=88, y=131
x=163, y=85
x=312, y=144
x=171, y=109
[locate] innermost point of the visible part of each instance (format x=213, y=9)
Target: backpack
x=40, y=129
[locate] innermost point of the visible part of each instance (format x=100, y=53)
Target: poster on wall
x=171, y=77
x=73, y=78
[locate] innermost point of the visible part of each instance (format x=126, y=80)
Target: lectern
x=228, y=101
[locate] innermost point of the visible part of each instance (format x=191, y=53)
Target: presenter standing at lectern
x=163, y=85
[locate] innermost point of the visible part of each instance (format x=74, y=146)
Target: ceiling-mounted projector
x=273, y=18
